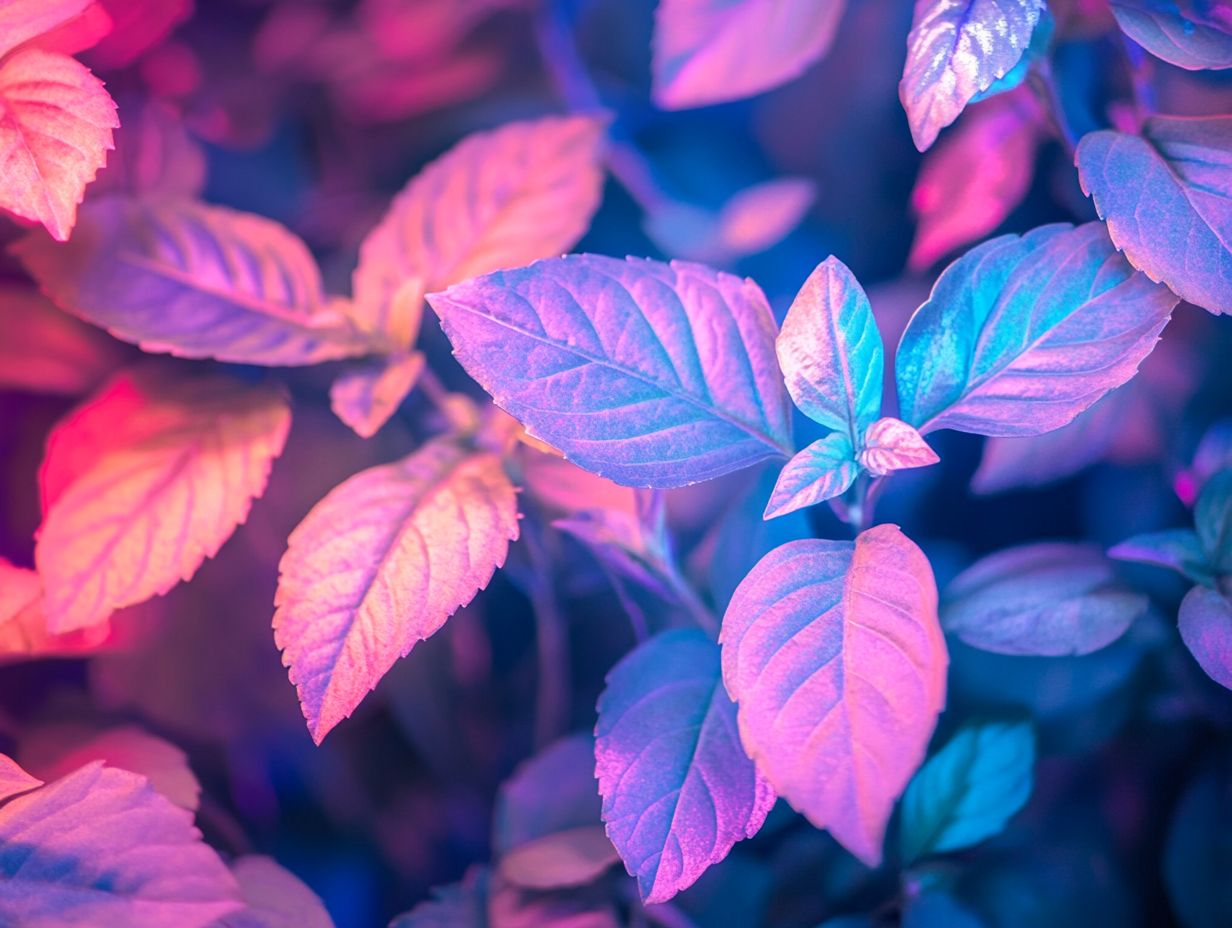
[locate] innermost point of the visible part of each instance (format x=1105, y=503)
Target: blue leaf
x=678, y=789
x=1041, y=38
x=831, y=354
x=822, y=471
x=1198, y=854
x=1021, y=334
x=935, y=909
x=651, y=374
x=1213, y=520
x=968, y=790
x=1046, y=599
x=1163, y=197
x=1178, y=549
x=1205, y=622
x=1191, y=35
x=553, y=791
x=956, y=50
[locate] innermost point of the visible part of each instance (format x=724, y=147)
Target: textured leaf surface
x=56, y=123
x=22, y=20
x=678, y=789
x=142, y=513
x=497, y=200
x=23, y=624
x=822, y=471
x=100, y=847
x=14, y=780
x=968, y=790
x=1047, y=599
x=830, y=352
x=365, y=396
x=702, y=53
x=274, y=897
x=891, y=444
x=1177, y=549
x=650, y=374
x=957, y=49
x=1205, y=621
x=1021, y=334
x=1192, y=34
x=380, y=563
x=1164, y=196
x=834, y=655
x=194, y=281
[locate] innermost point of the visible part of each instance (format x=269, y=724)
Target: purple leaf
x=1021, y=334
x=366, y=395
x=1205, y=621
x=956, y=50
x=485, y=900
x=678, y=790
x=1161, y=194
x=891, y=444
x=620, y=541
x=834, y=655
x=100, y=847
x=1213, y=520
x=553, y=791
x=1046, y=599
x=275, y=898
x=702, y=53
x=194, y=281
x=380, y=563
x=822, y=471
x=14, y=780
x=650, y=374
x=563, y=859
x=830, y=352
x=1192, y=35
x=1177, y=549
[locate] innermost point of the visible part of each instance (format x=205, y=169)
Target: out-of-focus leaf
x=553, y=791
x=1045, y=599
x=366, y=395
x=56, y=133
x=274, y=897
x=573, y=857
x=1197, y=854
x=23, y=20
x=1160, y=194
x=177, y=476
x=834, y=655
x=937, y=910
x=1178, y=549
x=822, y=471
x=23, y=625
x=650, y=374
x=380, y=563
x=1191, y=34
x=137, y=26
x=194, y=281
x=1205, y=621
x=1213, y=520
x=154, y=154
x=956, y=50
x=1021, y=334
x=702, y=52
x=47, y=351
x=968, y=790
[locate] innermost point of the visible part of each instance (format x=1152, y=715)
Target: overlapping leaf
x=22, y=20
x=1205, y=622
x=365, y=396
x=144, y=506
x=380, y=563
x=678, y=789
x=834, y=655
x=821, y=471
x=650, y=374
x=273, y=898
x=23, y=625
x=1021, y=334
x=1192, y=34
x=1164, y=197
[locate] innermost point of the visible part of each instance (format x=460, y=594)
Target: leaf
x=56, y=123
x=830, y=352
x=1197, y=855
x=1037, y=51
x=937, y=910
x=620, y=542
x=701, y=52
x=274, y=897
x=553, y=791
x=194, y=281
x=22, y=20
x=13, y=780
x=1021, y=334
x=1044, y=599
x=649, y=374
x=458, y=905
x=100, y=847
x=23, y=626
x=956, y=50
x=380, y=563
x=484, y=900
x=1178, y=549
x=822, y=471
x=891, y=445
x=1190, y=34
x=498, y=199
x=834, y=655
x=1205, y=621
x=1213, y=520
x=971, y=181
x=155, y=155
x=563, y=859
x=678, y=790
x=1162, y=197
x=368, y=394
x=144, y=512
x=140, y=25
x=968, y=790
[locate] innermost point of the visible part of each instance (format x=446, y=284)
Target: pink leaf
x=13, y=780
x=146, y=510
x=139, y=25
x=154, y=154
x=79, y=33
x=23, y=626
x=496, y=200
x=835, y=657
x=891, y=444
x=276, y=898
x=100, y=847
x=194, y=281
x=55, y=132
x=380, y=563
x=704, y=50
x=53, y=751
x=365, y=396
x=23, y=20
